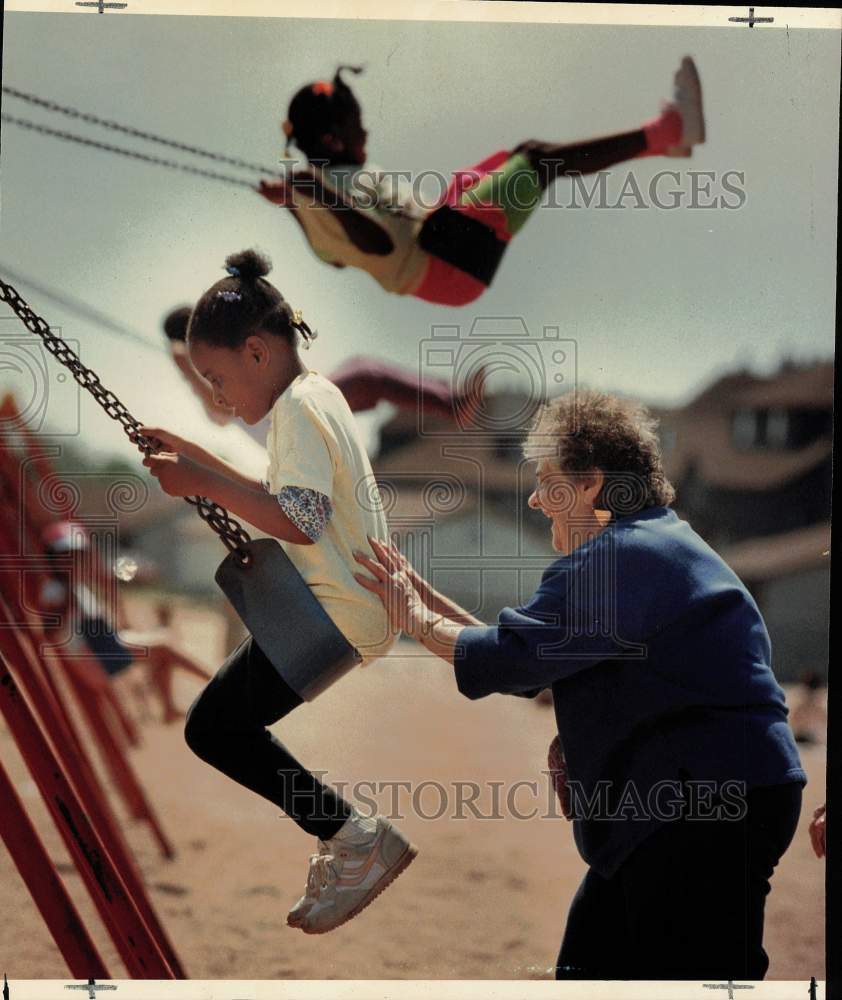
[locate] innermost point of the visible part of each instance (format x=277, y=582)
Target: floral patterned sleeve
x=308, y=509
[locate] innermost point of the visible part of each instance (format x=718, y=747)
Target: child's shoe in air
x=349, y=872
x=687, y=101
x=681, y=123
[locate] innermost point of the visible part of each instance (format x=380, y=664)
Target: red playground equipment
x=56, y=705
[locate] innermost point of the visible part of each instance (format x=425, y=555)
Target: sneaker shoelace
x=321, y=874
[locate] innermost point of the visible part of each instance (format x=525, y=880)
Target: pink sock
x=662, y=132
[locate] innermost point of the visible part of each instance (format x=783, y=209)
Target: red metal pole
x=40, y=464
x=16, y=647
x=121, y=770
x=46, y=888
x=128, y=730
x=130, y=934
x=43, y=468
x=92, y=679
x=88, y=679
x=80, y=765
x=110, y=752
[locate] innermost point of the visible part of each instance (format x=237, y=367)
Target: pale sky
x=657, y=301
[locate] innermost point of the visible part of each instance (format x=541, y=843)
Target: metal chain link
x=135, y=132
x=158, y=161
x=235, y=538
x=389, y=207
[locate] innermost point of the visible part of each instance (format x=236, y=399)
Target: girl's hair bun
x=248, y=265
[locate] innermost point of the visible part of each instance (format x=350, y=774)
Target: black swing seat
x=286, y=619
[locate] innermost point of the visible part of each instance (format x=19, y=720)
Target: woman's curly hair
x=585, y=429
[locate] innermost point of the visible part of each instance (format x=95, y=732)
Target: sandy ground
x=485, y=899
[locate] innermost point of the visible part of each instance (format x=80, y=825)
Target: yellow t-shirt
x=400, y=271
x=314, y=442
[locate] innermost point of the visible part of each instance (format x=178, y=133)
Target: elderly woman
x=683, y=777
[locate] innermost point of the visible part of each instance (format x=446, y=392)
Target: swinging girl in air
x=242, y=338
x=355, y=215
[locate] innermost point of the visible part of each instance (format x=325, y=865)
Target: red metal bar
x=69, y=744
x=121, y=771
x=130, y=934
x=123, y=722
x=17, y=647
x=43, y=468
x=92, y=689
x=46, y=888
x=88, y=676
x=110, y=752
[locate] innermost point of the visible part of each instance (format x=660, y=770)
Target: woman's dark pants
x=688, y=902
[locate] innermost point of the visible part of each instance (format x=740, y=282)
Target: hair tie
x=233, y=270
x=304, y=329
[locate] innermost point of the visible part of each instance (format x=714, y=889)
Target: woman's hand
x=393, y=585
x=178, y=475
x=818, y=832
x=425, y=591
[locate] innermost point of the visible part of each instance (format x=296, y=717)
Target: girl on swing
x=354, y=215
x=242, y=338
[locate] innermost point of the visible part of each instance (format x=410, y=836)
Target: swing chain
x=130, y=153
x=136, y=133
x=235, y=538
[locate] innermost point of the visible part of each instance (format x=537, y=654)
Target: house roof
x=803, y=387
x=792, y=386
x=774, y=556
x=703, y=429
x=707, y=449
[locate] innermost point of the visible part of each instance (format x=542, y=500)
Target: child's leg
x=552, y=160
x=654, y=138
x=501, y=193
x=514, y=187
x=226, y=727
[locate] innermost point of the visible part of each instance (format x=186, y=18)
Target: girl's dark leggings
x=689, y=901
x=226, y=727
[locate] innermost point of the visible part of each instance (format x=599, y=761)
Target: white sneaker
x=349, y=872
x=687, y=100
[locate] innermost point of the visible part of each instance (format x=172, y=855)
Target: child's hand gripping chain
x=177, y=464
